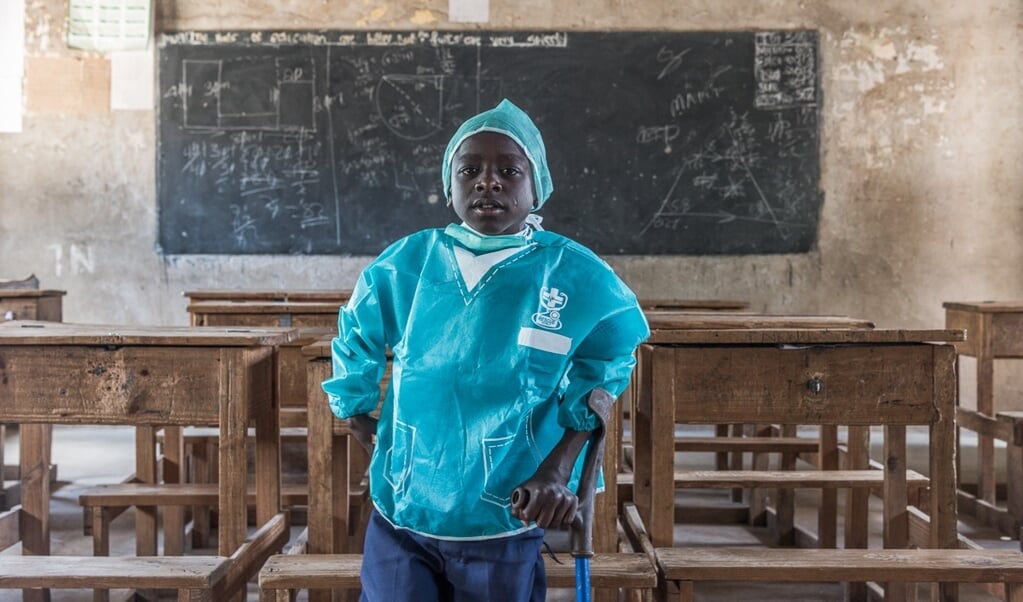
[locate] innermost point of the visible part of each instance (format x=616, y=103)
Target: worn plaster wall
x=922, y=150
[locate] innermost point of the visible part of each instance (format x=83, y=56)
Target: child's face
x=491, y=183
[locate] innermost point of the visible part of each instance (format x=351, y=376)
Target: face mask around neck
x=475, y=241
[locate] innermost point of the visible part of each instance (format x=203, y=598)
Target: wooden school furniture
x=759, y=441
x=994, y=330
x=265, y=307
x=806, y=376
x=25, y=304
x=284, y=574
x=629, y=569
x=241, y=294
x=31, y=304
x=194, y=577
x=313, y=313
x=704, y=305
x=330, y=447
x=59, y=373
x=264, y=313
x=683, y=567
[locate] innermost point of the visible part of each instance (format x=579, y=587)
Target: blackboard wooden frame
x=329, y=142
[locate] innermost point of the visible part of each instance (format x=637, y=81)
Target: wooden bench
x=195, y=578
x=681, y=568
x=197, y=460
x=729, y=451
x=284, y=573
x=826, y=481
x=631, y=569
x=104, y=503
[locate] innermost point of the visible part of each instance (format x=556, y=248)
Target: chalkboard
x=329, y=142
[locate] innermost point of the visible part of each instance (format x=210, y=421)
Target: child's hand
x=547, y=502
x=364, y=427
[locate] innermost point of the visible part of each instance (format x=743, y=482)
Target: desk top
x=27, y=332
x=319, y=349
x=680, y=320
x=988, y=307
x=268, y=295
x=226, y=306
x=307, y=335
x=801, y=336
x=693, y=304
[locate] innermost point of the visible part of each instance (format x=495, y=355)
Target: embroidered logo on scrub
x=552, y=301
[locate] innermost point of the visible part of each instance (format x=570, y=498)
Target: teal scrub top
x=483, y=381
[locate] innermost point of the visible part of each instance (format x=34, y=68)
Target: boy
x=500, y=333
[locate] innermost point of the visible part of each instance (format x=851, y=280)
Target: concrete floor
x=91, y=455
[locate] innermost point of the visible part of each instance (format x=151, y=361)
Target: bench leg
x=786, y=498
x=100, y=542
x=827, y=459
x=202, y=472
x=100, y=531
x=758, y=497
x=171, y=462
x=856, y=502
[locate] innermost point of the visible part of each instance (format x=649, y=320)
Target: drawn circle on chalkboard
x=411, y=105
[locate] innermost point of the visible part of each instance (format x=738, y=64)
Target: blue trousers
x=401, y=566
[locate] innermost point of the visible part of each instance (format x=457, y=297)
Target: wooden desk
x=778, y=375
x=266, y=307
x=31, y=304
x=264, y=313
x=663, y=326
x=314, y=309
x=59, y=373
x=313, y=313
x=994, y=330
x=25, y=304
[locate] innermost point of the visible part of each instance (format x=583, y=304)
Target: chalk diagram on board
x=727, y=163
x=254, y=148
x=724, y=167
x=247, y=94
x=411, y=106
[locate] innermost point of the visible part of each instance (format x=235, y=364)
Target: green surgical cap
x=507, y=119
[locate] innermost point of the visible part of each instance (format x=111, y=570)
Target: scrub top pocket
x=398, y=462
x=497, y=477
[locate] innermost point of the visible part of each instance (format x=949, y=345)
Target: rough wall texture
x=921, y=153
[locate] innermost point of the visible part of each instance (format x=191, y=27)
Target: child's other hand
x=548, y=503
x=364, y=427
